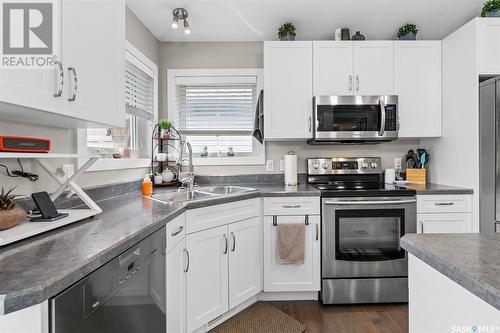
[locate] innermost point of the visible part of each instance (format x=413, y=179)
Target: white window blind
x=139, y=92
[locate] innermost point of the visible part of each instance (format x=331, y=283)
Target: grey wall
x=64, y=140
x=250, y=55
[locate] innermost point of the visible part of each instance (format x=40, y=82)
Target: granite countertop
x=434, y=189
x=38, y=268
x=476, y=267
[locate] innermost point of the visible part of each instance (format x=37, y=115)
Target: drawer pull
x=186, y=269
x=292, y=206
x=444, y=203
x=178, y=231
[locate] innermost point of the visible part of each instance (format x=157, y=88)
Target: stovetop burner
x=347, y=177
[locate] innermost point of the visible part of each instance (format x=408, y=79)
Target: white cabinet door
x=489, y=45
x=244, y=260
x=34, y=88
x=300, y=277
x=374, y=68
x=333, y=68
x=207, y=276
x=288, y=90
x=93, y=43
x=444, y=223
x=176, y=291
x=417, y=82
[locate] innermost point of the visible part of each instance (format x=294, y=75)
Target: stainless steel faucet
x=187, y=178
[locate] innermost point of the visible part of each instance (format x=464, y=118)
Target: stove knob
x=374, y=165
x=326, y=165
x=315, y=165
x=364, y=165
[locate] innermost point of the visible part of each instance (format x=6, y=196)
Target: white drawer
x=292, y=206
x=176, y=231
x=213, y=216
x=444, y=203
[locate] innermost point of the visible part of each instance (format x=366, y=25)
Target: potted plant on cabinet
x=165, y=126
x=408, y=32
x=10, y=214
x=491, y=8
x=287, y=32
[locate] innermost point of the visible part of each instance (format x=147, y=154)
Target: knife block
x=417, y=176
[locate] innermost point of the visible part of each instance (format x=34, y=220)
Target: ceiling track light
x=181, y=14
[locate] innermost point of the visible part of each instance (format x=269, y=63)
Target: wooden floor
x=385, y=318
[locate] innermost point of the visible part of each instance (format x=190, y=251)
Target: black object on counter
x=46, y=208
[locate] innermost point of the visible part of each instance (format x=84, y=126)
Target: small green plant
x=490, y=6
x=287, y=28
x=165, y=124
x=408, y=28
x=7, y=199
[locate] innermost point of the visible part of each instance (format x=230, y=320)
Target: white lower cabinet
x=292, y=277
x=176, y=297
x=244, y=261
x=207, y=276
x=444, y=213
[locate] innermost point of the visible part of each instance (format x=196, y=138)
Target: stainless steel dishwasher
x=125, y=295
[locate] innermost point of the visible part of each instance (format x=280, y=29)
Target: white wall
x=250, y=55
x=64, y=140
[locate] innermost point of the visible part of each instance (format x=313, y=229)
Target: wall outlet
x=269, y=165
x=69, y=170
x=282, y=165
x=397, y=163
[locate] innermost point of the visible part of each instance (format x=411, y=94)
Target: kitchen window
x=130, y=146
x=215, y=110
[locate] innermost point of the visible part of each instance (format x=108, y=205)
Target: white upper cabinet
x=288, y=90
x=373, y=68
x=95, y=89
x=89, y=36
x=489, y=45
x=333, y=68
x=417, y=82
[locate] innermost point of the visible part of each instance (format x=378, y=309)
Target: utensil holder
x=417, y=176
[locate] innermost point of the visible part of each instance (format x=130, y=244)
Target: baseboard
x=234, y=311
x=288, y=296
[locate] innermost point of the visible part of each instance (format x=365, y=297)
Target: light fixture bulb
x=175, y=23
x=187, y=30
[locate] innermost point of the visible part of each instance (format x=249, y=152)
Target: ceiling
x=258, y=20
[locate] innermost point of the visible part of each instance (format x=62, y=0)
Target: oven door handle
x=374, y=202
x=382, y=118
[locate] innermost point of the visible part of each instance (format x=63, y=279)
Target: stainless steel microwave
x=355, y=119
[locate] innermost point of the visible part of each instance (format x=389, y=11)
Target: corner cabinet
x=417, y=80
x=86, y=85
x=288, y=90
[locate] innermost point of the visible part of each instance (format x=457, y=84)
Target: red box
x=21, y=144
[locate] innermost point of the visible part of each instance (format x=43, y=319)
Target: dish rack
x=165, y=144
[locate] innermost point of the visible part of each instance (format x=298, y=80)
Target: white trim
x=139, y=59
x=244, y=73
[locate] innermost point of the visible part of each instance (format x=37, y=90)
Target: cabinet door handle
x=357, y=82
x=350, y=82
x=234, y=242
x=225, y=244
x=178, y=231
x=60, y=80
x=317, y=232
x=421, y=225
x=444, y=203
x=74, y=88
x=187, y=260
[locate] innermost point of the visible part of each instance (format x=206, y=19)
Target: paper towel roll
x=291, y=168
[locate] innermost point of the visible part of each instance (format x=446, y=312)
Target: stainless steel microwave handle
x=382, y=118
x=372, y=202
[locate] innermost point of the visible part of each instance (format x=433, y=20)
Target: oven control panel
x=344, y=165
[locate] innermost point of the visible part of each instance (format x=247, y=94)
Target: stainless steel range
x=363, y=220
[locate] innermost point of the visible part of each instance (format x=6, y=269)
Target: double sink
x=201, y=193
